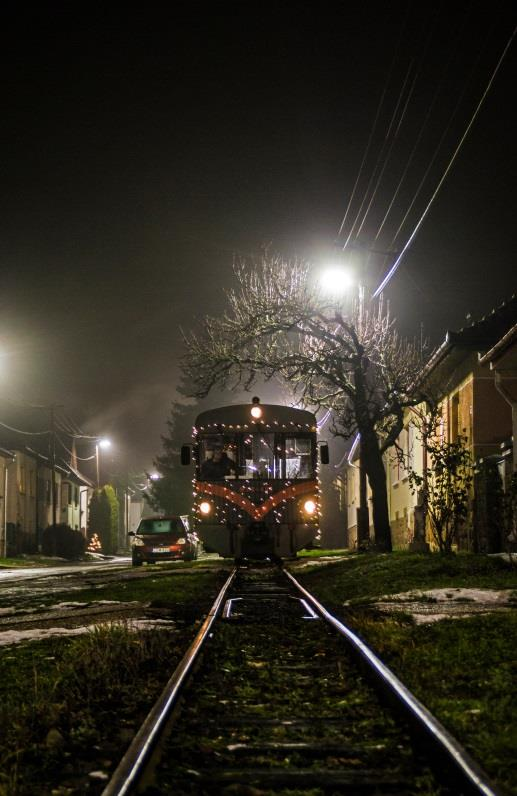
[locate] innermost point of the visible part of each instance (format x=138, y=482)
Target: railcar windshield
x=257, y=455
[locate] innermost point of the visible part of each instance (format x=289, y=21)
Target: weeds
x=70, y=706
x=465, y=670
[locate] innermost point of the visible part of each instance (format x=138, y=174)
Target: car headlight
x=205, y=507
x=309, y=507
x=181, y=540
x=138, y=542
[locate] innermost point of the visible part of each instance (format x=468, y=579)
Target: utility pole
x=363, y=520
x=52, y=446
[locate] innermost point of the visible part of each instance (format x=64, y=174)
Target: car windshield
x=160, y=526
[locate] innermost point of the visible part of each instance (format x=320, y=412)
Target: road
x=30, y=573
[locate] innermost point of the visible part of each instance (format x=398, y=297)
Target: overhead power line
x=411, y=238
x=72, y=453
x=375, y=122
x=28, y=433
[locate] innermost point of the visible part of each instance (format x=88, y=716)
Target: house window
x=66, y=497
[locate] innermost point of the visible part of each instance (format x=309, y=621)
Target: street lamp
x=104, y=444
x=337, y=280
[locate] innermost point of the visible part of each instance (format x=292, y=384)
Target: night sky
x=143, y=149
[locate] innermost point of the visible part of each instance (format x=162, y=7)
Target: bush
x=103, y=518
x=61, y=540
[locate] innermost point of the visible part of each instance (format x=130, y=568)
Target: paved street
x=29, y=573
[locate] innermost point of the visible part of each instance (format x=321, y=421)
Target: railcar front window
x=298, y=458
x=263, y=456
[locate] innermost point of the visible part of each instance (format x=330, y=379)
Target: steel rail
x=129, y=771
x=465, y=770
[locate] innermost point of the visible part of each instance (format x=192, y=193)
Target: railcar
x=256, y=492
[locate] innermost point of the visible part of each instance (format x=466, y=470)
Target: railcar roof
x=239, y=415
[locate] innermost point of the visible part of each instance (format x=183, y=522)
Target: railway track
x=285, y=698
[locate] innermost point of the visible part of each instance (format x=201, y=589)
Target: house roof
x=486, y=332
x=77, y=476
x=501, y=347
x=481, y=335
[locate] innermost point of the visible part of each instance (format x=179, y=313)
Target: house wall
x=21, y=509
x=352, y=499
x=70, y=504
x=473, y=409
x=492, y=418
x=45, y=496
x=5, y=463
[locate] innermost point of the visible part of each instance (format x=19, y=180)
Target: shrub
x=103, y=518
x=61, y=540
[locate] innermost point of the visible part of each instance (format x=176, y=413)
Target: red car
x=163, y=539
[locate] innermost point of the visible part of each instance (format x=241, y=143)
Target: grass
x=367, y=577
x=154, y=584
x=59, y=698
x=464, y=670
x=69, y=706
x=30, y=561
x=318, y=552
x=180, y=586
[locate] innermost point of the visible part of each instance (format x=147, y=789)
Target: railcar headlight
x=138, y=542
x=205, y=507
x=309, y=507
x=256, y=410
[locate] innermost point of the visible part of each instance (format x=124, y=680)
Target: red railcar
x=256, y=484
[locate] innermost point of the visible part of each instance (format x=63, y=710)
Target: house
x=33, y=493
x=76, y=492
x=475, y=372
x=502, y=362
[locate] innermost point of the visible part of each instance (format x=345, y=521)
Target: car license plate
x=160, y=549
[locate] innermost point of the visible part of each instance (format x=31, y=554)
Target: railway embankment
x=447, y=626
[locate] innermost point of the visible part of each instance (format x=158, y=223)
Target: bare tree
x=279, y=325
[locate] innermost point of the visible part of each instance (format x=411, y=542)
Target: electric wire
x=63, y=425
x=28, y=433
x=72, y=424
x=388, y=154
x=474, y=116
x=375, y=121
x=422, y=182
x=72, y=453
x=379, y=157
x=419, y=136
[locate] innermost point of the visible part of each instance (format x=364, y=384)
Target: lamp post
x=104, y=444
x=338, y=280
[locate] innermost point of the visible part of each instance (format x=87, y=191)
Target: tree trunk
x=374, y=467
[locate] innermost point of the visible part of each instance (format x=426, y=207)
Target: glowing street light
x=104, y=444
x=336, y=280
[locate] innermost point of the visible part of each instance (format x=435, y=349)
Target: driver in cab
x=218, y=466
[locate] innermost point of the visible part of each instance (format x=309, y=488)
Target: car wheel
x=137, y=563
